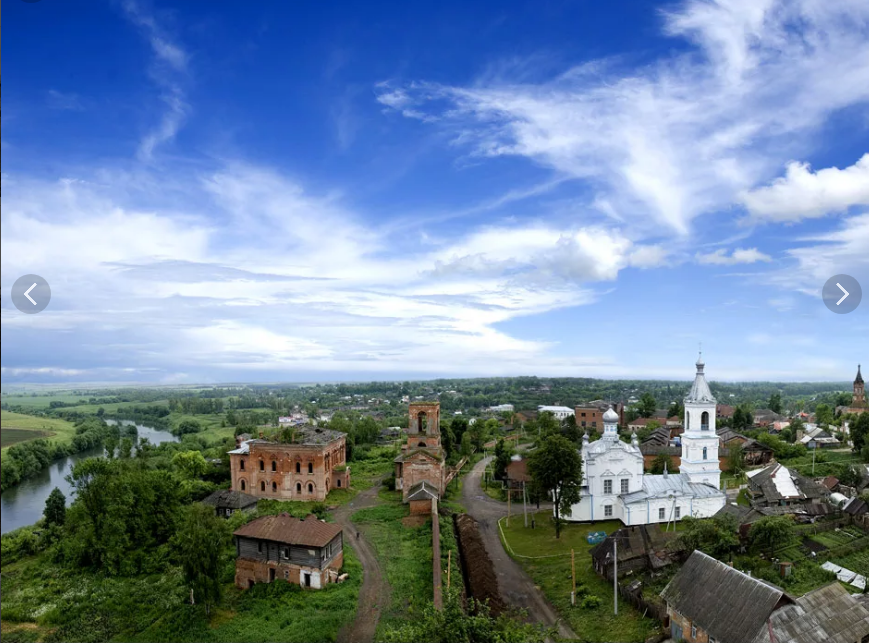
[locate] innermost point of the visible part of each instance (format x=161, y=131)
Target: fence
x=633, y=594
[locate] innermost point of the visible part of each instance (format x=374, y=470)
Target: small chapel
x=615, y=487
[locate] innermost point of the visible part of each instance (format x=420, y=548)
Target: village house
x=306, y=552
x=753, y=451
x=228, y=502
x=755, y=611
x=776, y=485
x=422, y=457
x=304, y=463
x=517, y=474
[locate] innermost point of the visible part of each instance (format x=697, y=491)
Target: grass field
x=405, y=556
x=16, y=428
x=553, y=576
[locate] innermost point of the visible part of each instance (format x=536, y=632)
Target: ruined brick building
x=422, y=458
x=305, y=464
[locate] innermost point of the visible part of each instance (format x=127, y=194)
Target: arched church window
x=704, y=421
x=243, y=485
x=704, y=453
x=422, y=422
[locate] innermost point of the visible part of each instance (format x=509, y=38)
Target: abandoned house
x=228, y=502
x=303, y=463
x=639, y=548
x=306, y=552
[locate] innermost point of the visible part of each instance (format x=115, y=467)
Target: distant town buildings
x=501, y=408
x=307, y=466
x=306, y=552
x=615, y=486
x=560, y=412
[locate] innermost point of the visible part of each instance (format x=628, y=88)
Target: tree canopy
x=555, y=468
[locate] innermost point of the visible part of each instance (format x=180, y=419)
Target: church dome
x=610, y=416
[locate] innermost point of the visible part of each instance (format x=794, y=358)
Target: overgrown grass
x=405, y=556
x=553, y=576
x=43, y=602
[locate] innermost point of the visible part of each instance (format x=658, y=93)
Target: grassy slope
x=60, y=430
x=44, y=601
x=553, y=576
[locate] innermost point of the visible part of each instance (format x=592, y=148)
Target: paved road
x=516, y=587
x=374, y=595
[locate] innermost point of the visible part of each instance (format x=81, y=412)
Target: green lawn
x=553, y=576
x=16, y=428
x=46, y=602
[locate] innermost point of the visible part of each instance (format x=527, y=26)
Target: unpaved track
x=374, y=594
x=516, y=587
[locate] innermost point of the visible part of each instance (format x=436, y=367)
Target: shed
x=227, y=502
x=420, y=497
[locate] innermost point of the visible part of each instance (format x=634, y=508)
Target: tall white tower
x=699, y=440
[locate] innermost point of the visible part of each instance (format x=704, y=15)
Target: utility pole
x=616, y=574
x=573, y=574
x=813, y=458
x=524, y=505
x=449, y=566
x=509, y=497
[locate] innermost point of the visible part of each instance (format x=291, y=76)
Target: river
x=23, y=504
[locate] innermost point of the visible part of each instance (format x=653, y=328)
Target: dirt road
x=516, y=587
x=375, y=592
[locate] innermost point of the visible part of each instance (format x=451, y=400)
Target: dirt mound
x=477, y=567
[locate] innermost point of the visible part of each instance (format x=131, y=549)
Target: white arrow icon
x=27, y=294
x=845, y=296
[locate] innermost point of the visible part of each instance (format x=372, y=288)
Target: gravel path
x=375, y=593
x=516, y=587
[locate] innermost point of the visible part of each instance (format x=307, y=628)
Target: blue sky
x=275, y=191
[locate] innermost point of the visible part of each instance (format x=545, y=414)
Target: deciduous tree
x=55, y=508
x=199, y=545
x=555, y=468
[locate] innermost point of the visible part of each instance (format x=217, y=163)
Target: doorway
x=307, y=580
x=271, y=574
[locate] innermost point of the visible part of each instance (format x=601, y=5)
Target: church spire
x=859, y=379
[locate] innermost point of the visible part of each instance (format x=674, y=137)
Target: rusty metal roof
x=309, y=532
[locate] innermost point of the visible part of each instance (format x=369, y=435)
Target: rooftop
x=422, y=491
x=830, y=614
x=670, y=484
x=697, y=589
x=305, y=435
x=285, y=529
x=228, y=499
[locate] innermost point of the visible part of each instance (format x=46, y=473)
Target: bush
x=389, y=483
x=591, y=602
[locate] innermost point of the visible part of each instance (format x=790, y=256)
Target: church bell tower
x=699, y=440
x=859, y=392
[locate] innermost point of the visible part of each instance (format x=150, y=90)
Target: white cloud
x=64, y=101
x=268, y=276
x=803, y=194
x=684, y=136
x=740, y=255
x=171, y=62
x=844, y=250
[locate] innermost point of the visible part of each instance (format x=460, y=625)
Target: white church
x=615, y=487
